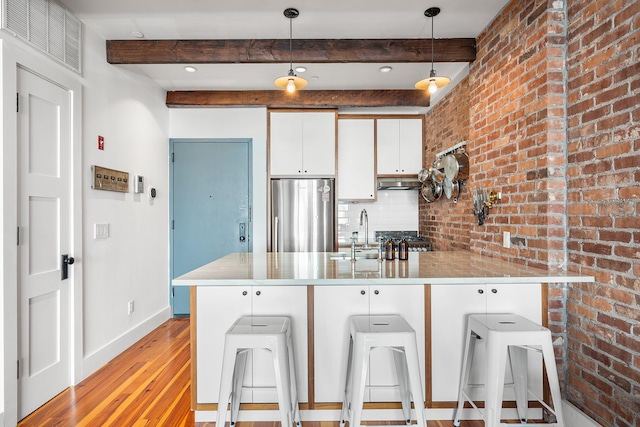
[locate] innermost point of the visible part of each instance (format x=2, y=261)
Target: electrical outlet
x=130, y=307
x=506, y=239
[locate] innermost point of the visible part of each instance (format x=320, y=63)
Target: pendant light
x=433, y=82
x=290, y=82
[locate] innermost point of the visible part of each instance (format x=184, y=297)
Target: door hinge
x=18, y=369
x=173, y=157
x=18, y=237
x=17, y=102
x=173, y=224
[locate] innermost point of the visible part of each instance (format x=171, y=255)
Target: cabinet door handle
x=362, y=292
x=244, y=293
x=494, y=291
x=258, y=292
x=377, y=292
x=480, y=291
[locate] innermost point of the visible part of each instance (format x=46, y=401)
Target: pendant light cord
x=291, y=45
x=432, y=42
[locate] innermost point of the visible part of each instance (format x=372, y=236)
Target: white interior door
x=44, y=214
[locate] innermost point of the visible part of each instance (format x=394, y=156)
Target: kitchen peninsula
x=434, y=291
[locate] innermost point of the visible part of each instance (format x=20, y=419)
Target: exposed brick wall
x=447, y=224
x=553, y=102
x=603, y=93
x=518, y=132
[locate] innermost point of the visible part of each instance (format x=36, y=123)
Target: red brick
x=631, y=252
x=617, y=323
x=628, y=223
x=615, y=265
x=614, y=351
x=629, y=192
x=614, y=236
x=618, y=295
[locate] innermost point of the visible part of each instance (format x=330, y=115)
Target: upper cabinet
x=399, y=146
x=302, y=143
x=356, y=159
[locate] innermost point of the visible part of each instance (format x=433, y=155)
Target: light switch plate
x=506, y=239
x=100, y=231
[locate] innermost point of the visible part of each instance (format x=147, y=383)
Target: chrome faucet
x=364, y=220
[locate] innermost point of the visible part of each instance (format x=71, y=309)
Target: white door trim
x=14, y=54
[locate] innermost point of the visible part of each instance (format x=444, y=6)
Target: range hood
x=398, y=183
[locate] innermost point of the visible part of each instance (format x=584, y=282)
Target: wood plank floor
x=147, y=385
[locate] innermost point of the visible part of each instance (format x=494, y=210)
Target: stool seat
x=272, y=333
x=509, y=337
x=367, y=332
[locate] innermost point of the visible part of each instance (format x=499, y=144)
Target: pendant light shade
x=433, y=82
x=290, y=82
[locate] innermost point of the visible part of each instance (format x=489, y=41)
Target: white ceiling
x=261, y=19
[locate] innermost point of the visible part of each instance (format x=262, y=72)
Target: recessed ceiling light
x=190, y=69
x=137, y=34
x=301, y=69
x=385, y=69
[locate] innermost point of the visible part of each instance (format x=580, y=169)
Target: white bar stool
x=367, y=333
x=516, y=336
x=266, y=332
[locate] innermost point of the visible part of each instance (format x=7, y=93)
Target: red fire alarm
x=100, y=142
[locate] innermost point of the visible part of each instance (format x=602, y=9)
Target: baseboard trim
x=99, y=358
x=574, y=417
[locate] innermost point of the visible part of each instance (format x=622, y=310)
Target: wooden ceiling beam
x=277, y=51
x=301, y=98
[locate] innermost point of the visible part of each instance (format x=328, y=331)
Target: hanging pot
x=431, y=191
x=456, y=166
x=423, y=175
x=437, y=171
x=451, y=189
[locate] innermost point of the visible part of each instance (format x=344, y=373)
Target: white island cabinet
x=448, y=327
x=319, y=293
x=302, y=143
x=218, y=307
x=333, y=307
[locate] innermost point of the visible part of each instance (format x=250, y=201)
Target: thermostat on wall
x=138, y=184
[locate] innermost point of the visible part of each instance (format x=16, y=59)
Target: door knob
x=66, y=262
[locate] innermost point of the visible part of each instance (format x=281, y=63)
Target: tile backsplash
x=395, y=210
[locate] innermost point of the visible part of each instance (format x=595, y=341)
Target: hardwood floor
x=147, y=385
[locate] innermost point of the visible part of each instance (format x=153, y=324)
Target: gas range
x=416, y=243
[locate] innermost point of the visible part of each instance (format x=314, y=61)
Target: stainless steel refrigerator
x=303, y=215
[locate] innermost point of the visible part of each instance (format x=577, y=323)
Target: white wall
x=129, y=111
x=132, y=264
x=233, y=123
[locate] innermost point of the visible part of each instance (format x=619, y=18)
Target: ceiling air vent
x=47, y=26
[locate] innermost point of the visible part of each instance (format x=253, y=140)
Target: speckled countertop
x=302, y=268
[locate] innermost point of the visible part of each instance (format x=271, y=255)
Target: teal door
x=210, y=206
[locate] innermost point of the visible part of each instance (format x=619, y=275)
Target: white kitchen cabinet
x=219, y=307
x=450, y=305
x=302, y=143
x=399, y=146
x=332, y=308
x=356, y=159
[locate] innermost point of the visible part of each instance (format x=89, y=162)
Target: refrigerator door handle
x=275, y=235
